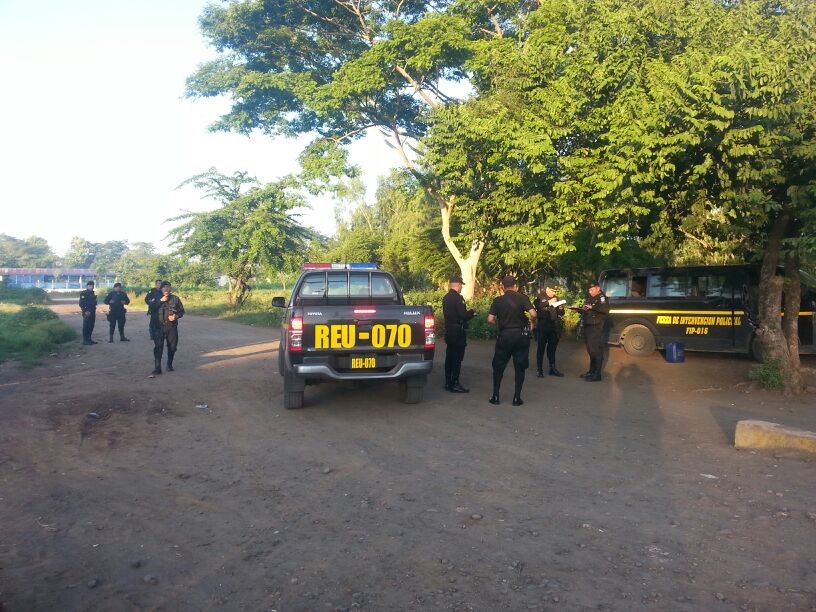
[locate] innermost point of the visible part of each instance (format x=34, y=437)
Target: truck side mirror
x=279, y=302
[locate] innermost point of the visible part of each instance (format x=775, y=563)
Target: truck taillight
x=430, y=332
x=296, y=334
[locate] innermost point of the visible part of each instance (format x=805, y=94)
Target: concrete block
x=763, y=434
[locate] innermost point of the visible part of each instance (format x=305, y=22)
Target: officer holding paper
x=550, y=309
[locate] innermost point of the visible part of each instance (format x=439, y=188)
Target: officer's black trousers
x=453, y=357
x=547, y=340
x=166, y=334
x=154, y=328
x=117, y=320
x=593, y=334
x=88, y=322
x=511, y=344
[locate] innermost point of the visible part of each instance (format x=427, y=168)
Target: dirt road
x=624, y=495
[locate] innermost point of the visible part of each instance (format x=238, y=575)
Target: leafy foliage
x=252, y=228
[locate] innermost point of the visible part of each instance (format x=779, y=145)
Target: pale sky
x=95, y=132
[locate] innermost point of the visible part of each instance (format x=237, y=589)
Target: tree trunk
x=772, y=339
x=469, y=265
x=238, y=292
x=790, y=322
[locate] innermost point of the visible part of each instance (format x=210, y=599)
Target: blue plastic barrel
x=675, y=352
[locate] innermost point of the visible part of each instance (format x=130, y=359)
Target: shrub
x=31, y=332
x=13, y=295
x=768, y=374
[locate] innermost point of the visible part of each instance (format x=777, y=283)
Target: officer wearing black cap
x=509, y=312
x=456, y=316
x=116, y=300
x=87, y=304
x=168, y=312
x=549, y=329
x=595, y=310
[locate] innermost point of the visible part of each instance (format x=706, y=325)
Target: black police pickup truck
x=350, y=322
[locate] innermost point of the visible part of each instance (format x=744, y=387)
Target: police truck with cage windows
x=708, y=308
x=349, y=322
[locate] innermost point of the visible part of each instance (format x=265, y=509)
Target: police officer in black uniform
x=116, y=300
x=509, y=312
x=595, y=310
x=457, y=316
x=168, y=312
x=152, y=301
x=549, y=329
x=87, y=304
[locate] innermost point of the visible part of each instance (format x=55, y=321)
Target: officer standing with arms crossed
x=509, y=312
x=456, y=319
x=152, y=301
x=116, y=300
x=549, y=329
x=87, y=304
x=595, y=311
x=169, y=311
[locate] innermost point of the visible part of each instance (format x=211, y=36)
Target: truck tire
x=293, y=392
x=293, y=400
x=412, y=389
x=638, y=340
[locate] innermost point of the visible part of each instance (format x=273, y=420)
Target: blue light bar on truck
x=339, y=266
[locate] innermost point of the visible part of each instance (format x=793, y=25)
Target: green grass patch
x=257, y=310
x=30, y=332
x=13, y=295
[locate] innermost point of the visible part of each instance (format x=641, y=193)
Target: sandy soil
x=195, y=490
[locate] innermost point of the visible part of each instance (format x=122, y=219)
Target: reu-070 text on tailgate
x=381, y=328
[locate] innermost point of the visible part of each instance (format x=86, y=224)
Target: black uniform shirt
x=117, y=300
x=510, y=310
x=549, y=317
x=173, y=305
x=600, y=309
x=454, y=310
x=87, y=300
x=152, y=300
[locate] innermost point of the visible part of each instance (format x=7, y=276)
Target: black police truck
x=349, y=322
x=708, y=308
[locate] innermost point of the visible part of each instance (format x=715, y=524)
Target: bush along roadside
x=13, y=295
x=30, y=333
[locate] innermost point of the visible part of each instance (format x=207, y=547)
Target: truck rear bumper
x=326, y=372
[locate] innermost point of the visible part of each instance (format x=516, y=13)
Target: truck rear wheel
x=638, y=340
x=293, y=392
x=412, y=389
x=293, y=400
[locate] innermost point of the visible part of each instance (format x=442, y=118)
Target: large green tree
x=33, y=252
x=664, y=122
x=341, y=68
x=254, y=226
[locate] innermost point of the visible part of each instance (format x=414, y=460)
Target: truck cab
x=349, y=322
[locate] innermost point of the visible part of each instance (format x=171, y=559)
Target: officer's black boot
x=494, y=399
x=170, y=361
x=456, y=387
x=448, y=383
x=540, y=373
x=554, y=371
x=111, y=338
x=157, y=365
